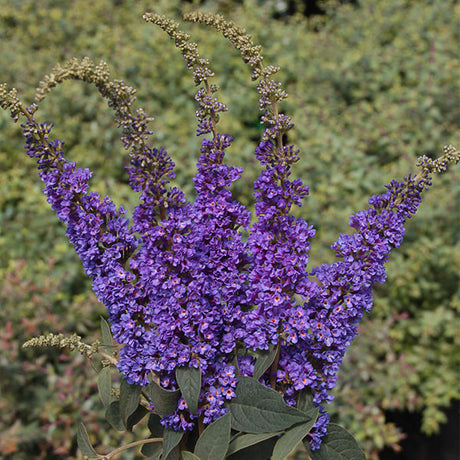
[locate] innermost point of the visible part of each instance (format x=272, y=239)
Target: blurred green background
x=373, y=84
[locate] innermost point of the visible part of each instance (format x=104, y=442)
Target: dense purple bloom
x=187, y=284
x=344, y=293
x=182, y=287
x=279, y=244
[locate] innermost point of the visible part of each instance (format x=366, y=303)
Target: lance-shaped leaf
x=152, y=450
x=338, y=444
x=136, y=417
x=171, y=439
x=287, y=443
x=213, y=442
x=107, y=339
x=189, y=381
x=155, y=426
x=84, y=444
x=97, y=362
x=260, y=450
x=164, y=401
x=113, y=416
x=305, y=401
x=129, y=399
x=264, y=359
x=104, y=385
x=258, y=409
x=173, y=455
x=246, y=439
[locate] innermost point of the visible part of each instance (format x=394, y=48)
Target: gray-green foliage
x=371, y=87
x=258, y=417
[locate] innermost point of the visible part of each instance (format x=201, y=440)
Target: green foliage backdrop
x=372, y=85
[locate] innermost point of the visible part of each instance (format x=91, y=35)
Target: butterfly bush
x=205, y=284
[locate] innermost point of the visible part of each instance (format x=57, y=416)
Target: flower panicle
x=9, y=101
x=209, y=106
x=72, y=342
x=439, y=165
x=345, y=287
x=150, y=169
x=271, y=92
x=183, y=286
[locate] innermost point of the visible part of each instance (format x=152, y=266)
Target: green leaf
x=136, y=417
x=129, y=399
x=213, y=442
x=171, y=439
x=153, y=450
x=264, y=359
x=234, y=362
x=261, y=450
x=186, y=455
x=288, y=442
x=258, y=409
x=305, y=401
x=164, y=401
x=107, y=339
x=173, y=455
x=96, y=362
x=246, y=440
x=104, y=385
x=84, y=443
x=155, y=426
x=338, y=444
x=189, y=381
x=113, y=416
